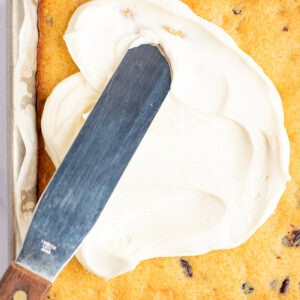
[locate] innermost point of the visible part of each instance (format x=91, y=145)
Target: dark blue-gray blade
x=95, y=162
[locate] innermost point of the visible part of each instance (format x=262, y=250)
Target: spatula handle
x=19, y=283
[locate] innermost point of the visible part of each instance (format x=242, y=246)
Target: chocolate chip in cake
x=292, y=239
x=237, y=11
x=187, y=267
x=284, y=286
x=295, y=236
x=273, y=284
x=285, y=28
x=248, y=289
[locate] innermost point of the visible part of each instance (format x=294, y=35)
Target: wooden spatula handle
x=19, y=283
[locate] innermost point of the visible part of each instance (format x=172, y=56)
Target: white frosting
x=214, y=163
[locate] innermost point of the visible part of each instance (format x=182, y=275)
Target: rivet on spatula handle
x=20, y=284
x=20, y=295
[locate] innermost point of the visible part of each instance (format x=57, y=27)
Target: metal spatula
x=90, y=172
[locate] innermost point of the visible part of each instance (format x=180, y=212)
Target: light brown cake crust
x=267, y=266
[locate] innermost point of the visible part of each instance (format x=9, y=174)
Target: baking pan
x=11, y=44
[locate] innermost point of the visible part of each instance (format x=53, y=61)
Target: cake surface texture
x=267, y=265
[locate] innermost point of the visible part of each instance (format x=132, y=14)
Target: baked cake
x=267, y=265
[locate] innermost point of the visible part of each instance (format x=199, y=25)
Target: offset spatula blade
x=95, y=162
x=86, y=178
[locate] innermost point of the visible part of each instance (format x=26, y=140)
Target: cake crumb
x=174, y=32
x=49, y=21
x=237, y=11
x=127, y=13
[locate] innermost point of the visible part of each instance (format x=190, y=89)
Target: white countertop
x=3, y=136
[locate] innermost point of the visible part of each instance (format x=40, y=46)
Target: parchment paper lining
x=25, y=133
